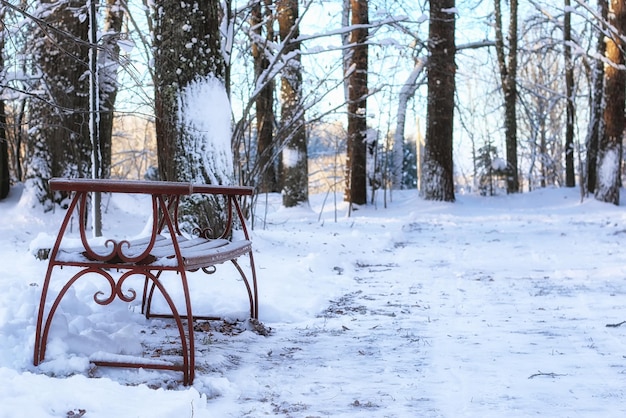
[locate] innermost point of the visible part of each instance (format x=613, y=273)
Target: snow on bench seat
x=196, y=252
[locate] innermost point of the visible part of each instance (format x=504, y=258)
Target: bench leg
x=40, y=342
x=44, y=321
x=250, y=288
x=46, y=316
x=148, y=293
x=255, y=289
x=186, y=336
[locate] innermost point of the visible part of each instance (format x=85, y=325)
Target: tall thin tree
x=94, y=117
x=570, y=113
x=4, y=145
x=108, y=65
x=508, y=76
x=356, y=159
x=294, y=153
x=262, y=18
x=595, y=120
x=438, y=167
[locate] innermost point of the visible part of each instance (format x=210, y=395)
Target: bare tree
x=570, y=115
x=406, y=92
x=610, y=141
x=541, y=104
x=294, y=153
x=58, y=142
x=438, y=170
x=108, y=65
x=4, y=145
x=596, y=122
x=508, y=76
x=262, y=18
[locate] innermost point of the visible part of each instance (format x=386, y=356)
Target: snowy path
x=361, y=356
x=484, y=308
x=527, y=339
x=503, y=324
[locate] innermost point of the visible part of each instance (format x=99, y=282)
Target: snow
x=608, y=167
x=487, y=307
x=451, y=10
x=499, y=164
x=204, y=109
x=291, y=157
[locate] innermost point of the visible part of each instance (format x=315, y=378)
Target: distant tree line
x=550, y=75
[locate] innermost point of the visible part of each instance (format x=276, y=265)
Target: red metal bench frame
x=148, y=257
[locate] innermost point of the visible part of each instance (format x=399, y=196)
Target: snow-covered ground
x=488, y=307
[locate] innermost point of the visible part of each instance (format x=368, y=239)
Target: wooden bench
x=164, y=249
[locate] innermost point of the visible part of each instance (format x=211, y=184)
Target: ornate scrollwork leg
x=44, y=321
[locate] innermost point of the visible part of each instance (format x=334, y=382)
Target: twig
x=540, y=373
x=619, y=324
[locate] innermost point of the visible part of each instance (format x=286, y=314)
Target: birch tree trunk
x=406, y=92
x=438, y=170
x=356, y=159
x=610, y=141
x=295, y=174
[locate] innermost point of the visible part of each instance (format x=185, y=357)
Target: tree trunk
x=4, y=145
x=192, y=109
x=356, y=158
x=294, y=154
x=58, y=144
x=266, y=151
x=108, y=64
x=5, y=179
x=346, y=52
x=596, y=122
x=543, y=152
x=570, y=176
x=438, y=167
x=406, y=92
x=508, y=77
x=610, y=142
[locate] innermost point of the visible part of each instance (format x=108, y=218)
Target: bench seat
x=196, y=253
